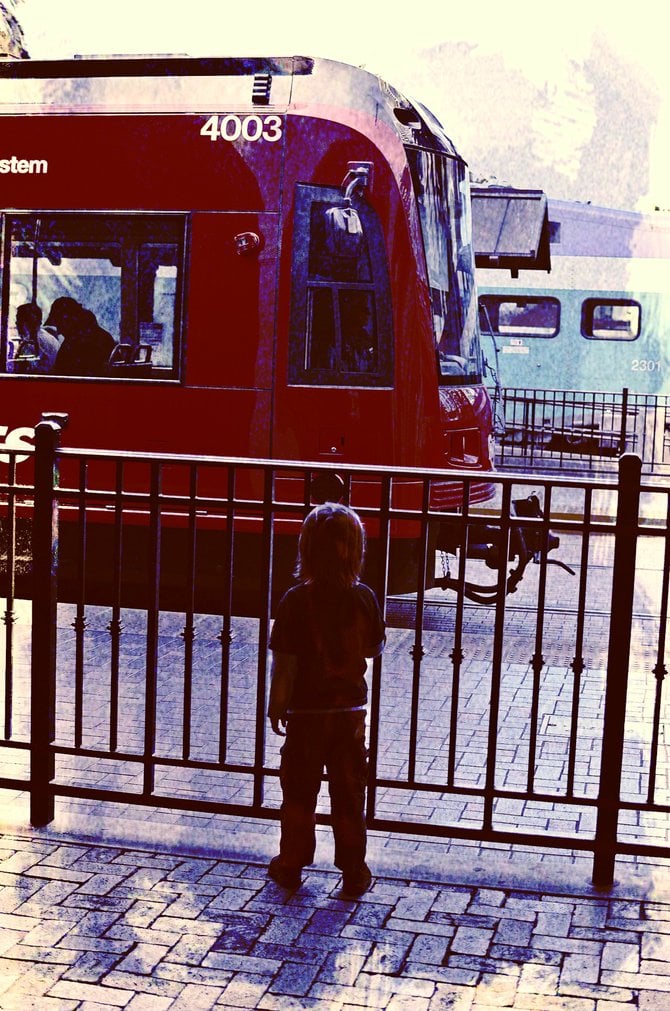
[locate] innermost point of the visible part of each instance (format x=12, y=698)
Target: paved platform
x=97, y=927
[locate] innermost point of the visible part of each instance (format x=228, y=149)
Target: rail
x=152, y=582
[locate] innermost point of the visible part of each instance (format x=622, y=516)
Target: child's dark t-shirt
x=330, y=631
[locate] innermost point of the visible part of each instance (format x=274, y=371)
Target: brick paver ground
x=99, y=927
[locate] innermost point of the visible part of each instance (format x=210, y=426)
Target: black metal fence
x=577, y=431
x=537, y=717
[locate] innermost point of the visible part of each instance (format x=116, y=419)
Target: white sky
x=398, y=42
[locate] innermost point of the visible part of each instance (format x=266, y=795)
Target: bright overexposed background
x=573, y=98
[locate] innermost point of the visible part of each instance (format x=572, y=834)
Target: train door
x=230, y=331
x=337, y=400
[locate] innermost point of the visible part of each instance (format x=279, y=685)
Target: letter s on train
x=16, y=438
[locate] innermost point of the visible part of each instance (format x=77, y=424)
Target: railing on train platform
x=577, y=431
x=535, y=719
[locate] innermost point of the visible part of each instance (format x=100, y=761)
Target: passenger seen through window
x=86, y=347
x=36, y=349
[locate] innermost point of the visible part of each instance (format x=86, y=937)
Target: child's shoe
x=356, y=882
x=285, y=875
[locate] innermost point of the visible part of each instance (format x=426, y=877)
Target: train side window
x=101, y=292
x=526, y=316
x=341, y=322
x=616, y=319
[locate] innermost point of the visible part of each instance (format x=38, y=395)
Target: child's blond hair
x=331, y=546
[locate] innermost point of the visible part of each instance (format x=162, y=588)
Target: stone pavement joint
x=96, y=927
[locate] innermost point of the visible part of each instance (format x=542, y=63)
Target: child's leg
x=300, y=774
x=347, y=765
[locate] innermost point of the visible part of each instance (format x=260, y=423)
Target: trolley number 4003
x=232, y=127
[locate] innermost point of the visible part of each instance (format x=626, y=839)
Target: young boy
x=325, y=628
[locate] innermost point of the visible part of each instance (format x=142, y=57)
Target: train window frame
x=524, y=332
x=133, y=244
x=588, y=329
x=375, y=363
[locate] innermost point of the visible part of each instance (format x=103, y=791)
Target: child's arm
x=281, y=689
x=374, y=636
x=376, y=650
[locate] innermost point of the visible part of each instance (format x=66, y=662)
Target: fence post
x=618, y=657
x=43, y=650
x=623, y=432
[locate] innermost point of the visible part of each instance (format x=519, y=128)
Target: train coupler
x=526, y=544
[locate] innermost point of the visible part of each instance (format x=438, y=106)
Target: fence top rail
x=617, y=394
x=660, y=484
x=547, y=480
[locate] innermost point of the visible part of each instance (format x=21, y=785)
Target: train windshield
x=442, y=193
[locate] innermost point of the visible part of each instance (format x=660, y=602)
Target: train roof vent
x=261, y=90
x=510, y=229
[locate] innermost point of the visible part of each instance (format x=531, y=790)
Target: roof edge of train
x=409, y=119
x=151, y=65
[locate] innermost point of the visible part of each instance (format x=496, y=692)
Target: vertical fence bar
x=380, y=586
x=530, y=426
x=79, y=623
x=563, y=423
x=594, y=426
x=188, y=633
x=153, y=619
x=497, y=659
x=9, y=616
x=226, y=633
x=639, y=438
x=578, y=665
x=624, y=420
x=660, y=670
x=417, y=651
x=265, y=581
x=537, y=661
x=44, y=613
x=457, y=655
x=115, y=626
x=618, y=656
x=652, y=407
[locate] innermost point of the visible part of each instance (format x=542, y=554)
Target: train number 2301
x=645, y=365
x=232, y=128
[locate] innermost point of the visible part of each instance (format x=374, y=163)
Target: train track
x=396, y=602
x=520, y=619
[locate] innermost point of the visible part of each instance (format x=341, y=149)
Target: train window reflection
x=321, y=345
x=338, y=250
x=443, y=198
x=618, y=319
x=341, y=329
x=92, y=295
x=359, y=337
x=529, y=316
